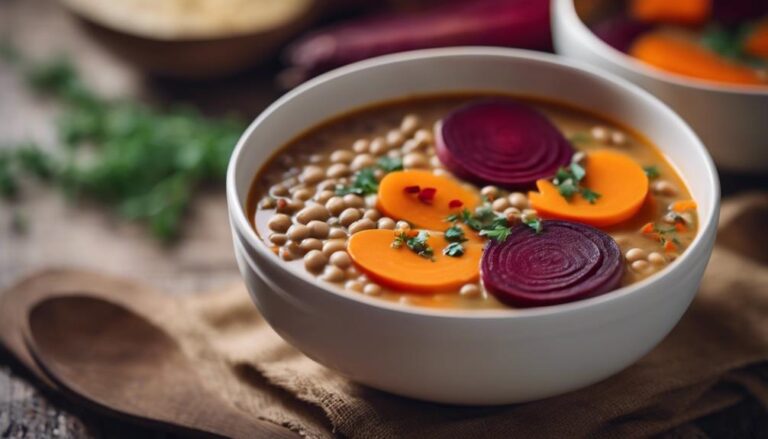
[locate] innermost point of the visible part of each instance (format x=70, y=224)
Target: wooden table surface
x=63, y=234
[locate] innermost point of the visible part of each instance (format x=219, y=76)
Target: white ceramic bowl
x=483, y=356
x=731, y=120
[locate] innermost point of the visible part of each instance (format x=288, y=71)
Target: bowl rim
x=567, y=10
x=243, y=229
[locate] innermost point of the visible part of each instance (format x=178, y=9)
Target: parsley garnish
x=364, y=184
x=488, y=223
x=652, y=171
x=418, y=244
x=498, y=233
x=390, y=164
x=454, y=249
x=455, y=234
x=568, y=182
x=535, y=224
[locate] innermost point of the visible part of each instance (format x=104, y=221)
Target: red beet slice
x=567, y=261
x=510, y=23
x=502, y=142
x=620, y=31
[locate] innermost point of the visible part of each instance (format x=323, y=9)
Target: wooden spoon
x=118, y=360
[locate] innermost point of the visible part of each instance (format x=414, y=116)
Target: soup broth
x=304, y=207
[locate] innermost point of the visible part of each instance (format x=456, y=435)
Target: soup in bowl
x=514, y=227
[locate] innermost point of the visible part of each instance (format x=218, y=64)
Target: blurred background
x=117, y=120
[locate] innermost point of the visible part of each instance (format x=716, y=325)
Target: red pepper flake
x=415, y=189
x=427, y=195
x=454, y=204
x=281, y=203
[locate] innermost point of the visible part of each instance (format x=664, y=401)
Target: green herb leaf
x=568, y=183
x=535, y=223
x=390, y=164
x=455, y=234
x=418, y=244
x=34, y=161
x=454, y=250
x=9, y=186
x=577, y=171
x=364, y=184
x=652, y=171
x=400, y=238
x=567, y=189
x=589, y=195
x=498, y=233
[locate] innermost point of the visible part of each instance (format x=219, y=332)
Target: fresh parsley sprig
x=568, y=183
x=490, y=224
x=416, y=243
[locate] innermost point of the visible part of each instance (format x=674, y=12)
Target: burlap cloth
x=713, y=359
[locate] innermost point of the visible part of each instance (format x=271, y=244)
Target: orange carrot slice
x=618, y=179
x=756, y=43
x=401, y=197
x=671, y=11
x=678, y=55
x=683, y=205
x=402, y=269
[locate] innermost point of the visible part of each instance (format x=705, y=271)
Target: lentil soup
x=436, y=202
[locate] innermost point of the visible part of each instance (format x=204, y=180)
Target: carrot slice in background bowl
x=620, y=181
x=399, y=198
x=402, y=269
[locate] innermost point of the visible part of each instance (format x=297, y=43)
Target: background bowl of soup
x=730, y=119
x=466, y=356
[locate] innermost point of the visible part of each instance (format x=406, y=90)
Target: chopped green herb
x=9, y=186
x=364, y=184
x=498, y=233
x=535, y=223
x=568, y=183
x=418, y=244
x=652, y=171
x=455, y=234
x=400, y=238
x=454, y=250
x=34, y=161
x=390, y=164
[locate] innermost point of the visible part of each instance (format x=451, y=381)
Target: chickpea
x=657, y=258
x=314, y=261
x=599, y=133
x=352, y=272
x=337, y=233
x=342, y=156
x=470, y=290
x=297, y=232
x=409, y=124
x=333, y=221
x=312, y=174
x=324, y=196
x=372, y=214
x=500, y=204
x=341, y=259
x=528, y=215
x=641, y=266
x=335, y=205
x=410, y=146
x=348, y=216
x=360, y=225
x=302, y=194
x=337, y=170
x=278, y=190
x=423, y=136
x=378, y=146
x=318, y=229
x=402, y=225
x=618, y=138
x=386, y=223
x=334, y=245
x=360, y=146
x=332, y=274
x=415, y=160
x=352, y=200
x=395, y=153
x=519, y=200
x=512, y=212
x=277, y=238
x=354, y=285
x=394, y=138
x=327, y=185
x=435, y=162
x=267, y=203
x=372, y=290
x=371, y=200
x=313, y=212
x=311, y=244
x=635, y=254
x=279, y=223
x=362, y=161
x=490, y=192
x=664, y=188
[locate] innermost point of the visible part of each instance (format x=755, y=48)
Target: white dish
x=484, y=356
x=731, y=120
